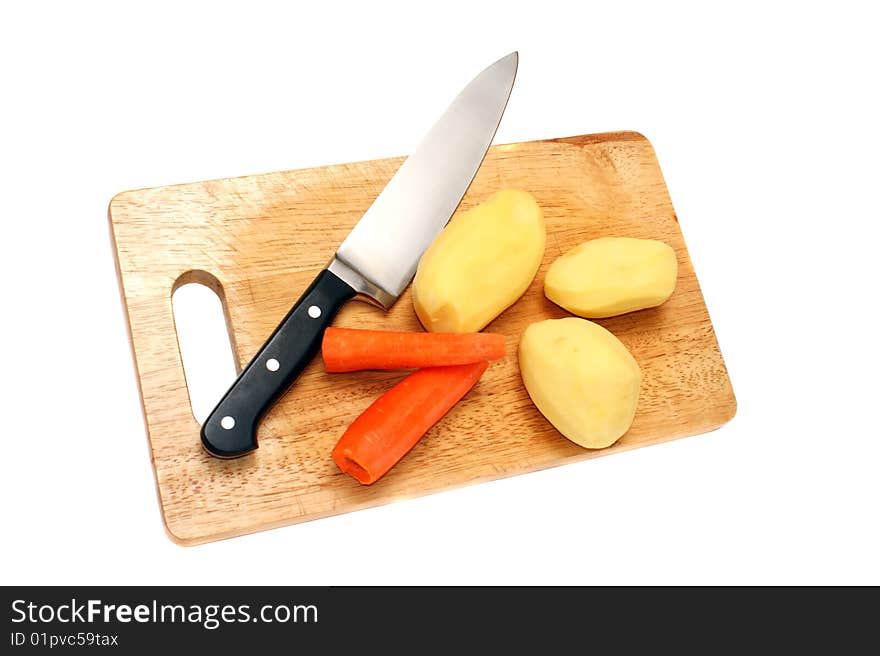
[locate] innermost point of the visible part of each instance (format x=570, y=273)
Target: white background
x=765, y=121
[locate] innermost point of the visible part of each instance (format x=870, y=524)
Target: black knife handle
x=231, y=428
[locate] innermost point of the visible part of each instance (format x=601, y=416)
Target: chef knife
x=377, y=259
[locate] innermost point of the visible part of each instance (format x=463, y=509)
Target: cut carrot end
x=350, y=466
x=356, y=471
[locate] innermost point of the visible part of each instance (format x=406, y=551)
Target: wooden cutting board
x=260, y=240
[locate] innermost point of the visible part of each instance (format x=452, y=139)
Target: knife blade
x=378, y=258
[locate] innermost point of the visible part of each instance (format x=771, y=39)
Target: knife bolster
x=366, y=290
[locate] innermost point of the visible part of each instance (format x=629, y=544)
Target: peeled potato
x=613, y=275
x=582, y=379
x=480, y=263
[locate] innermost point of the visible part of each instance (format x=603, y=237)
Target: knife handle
x=231, y=428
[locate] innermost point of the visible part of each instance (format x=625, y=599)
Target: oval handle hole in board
x=204, y=339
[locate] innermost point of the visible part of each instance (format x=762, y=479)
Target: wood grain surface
x=260, y=240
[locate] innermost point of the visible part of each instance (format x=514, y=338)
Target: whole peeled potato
x=612, y=275
x=582, y=379
x=480, y=263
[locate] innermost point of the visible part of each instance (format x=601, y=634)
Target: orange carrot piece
x=351, y=349
x=391, y=426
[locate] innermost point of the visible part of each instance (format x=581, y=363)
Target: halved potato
x=480, y=263
x=582, y=379
x=612, y=275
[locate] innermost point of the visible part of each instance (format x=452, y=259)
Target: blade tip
x=510, y=60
